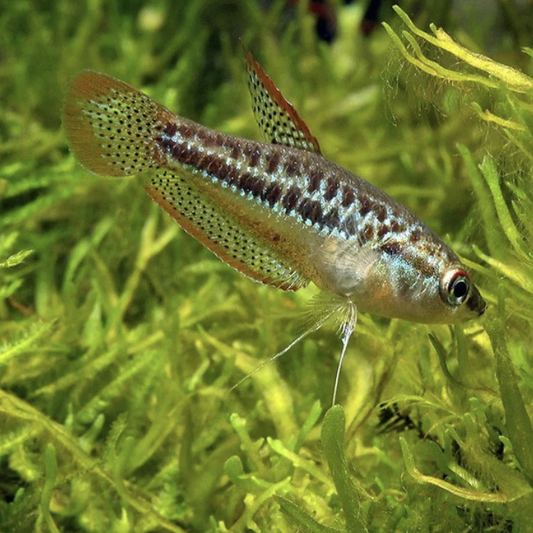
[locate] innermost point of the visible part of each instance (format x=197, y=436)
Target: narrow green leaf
x=27, y=343
x=515, y=79
x=467, y=494
x=16, y=259
x=489, y=170
x=351, y=494
x=304, y=520
x=518, y=423
x=50, y=470
x=308, y=425
x=493, y=233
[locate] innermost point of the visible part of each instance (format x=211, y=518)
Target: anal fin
x=177, y=193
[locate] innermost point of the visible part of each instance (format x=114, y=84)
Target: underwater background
x=121, y=336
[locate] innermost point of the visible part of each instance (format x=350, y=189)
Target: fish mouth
x=476, y=303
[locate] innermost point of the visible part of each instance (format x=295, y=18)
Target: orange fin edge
x=191, y=229
x=279, y=99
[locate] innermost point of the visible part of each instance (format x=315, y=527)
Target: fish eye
x=455, y=287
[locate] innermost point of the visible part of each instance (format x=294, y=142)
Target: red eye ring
x=455, y=286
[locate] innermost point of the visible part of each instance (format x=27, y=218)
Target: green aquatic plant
x=120, y=337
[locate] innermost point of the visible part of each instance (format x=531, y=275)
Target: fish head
x=432, y=288
x=447, y=295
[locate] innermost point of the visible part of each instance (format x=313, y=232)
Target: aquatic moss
x=121, y=337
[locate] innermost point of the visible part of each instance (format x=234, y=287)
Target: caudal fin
x=112, y=127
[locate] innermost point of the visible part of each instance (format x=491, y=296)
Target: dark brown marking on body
x=383, y=230
x=366, y=207
x=170, y=129
x=166, y=143
x=204, y=136
x=273, y=161
x=272, y=193
x=368, y=232
x=210, y=139
x=214, y=166
x=291, y=198
x=396, y=227
x=185, y=131
x=348, y=197
x=251, y=184
x=315, y=178
x=415, y=236
x=235, y=150
x=253, y=154
x=332, y=188
x=185, y=155
x=381, y=213
x=292, y=166
x=421, y=265
x=231, y=176
x=310, y=210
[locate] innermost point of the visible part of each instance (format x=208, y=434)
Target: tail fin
x=112, y=127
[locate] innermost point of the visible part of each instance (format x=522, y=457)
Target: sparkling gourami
x=278, y=211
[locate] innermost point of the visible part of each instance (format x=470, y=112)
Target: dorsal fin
x=277, y=118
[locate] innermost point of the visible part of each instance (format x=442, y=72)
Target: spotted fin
x=277, y=118
x=113, y=130
x=111, y=126
x=178, y=194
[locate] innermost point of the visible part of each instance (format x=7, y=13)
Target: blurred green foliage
x=120, y=336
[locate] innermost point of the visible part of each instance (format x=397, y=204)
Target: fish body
x=324, y=224
x=277, y=211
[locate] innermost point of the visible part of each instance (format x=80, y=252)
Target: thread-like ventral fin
x=112, y=127
x=277, y=118
x=321, y=308
x=178, y=195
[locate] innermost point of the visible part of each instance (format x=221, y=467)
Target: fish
x=277, y=211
